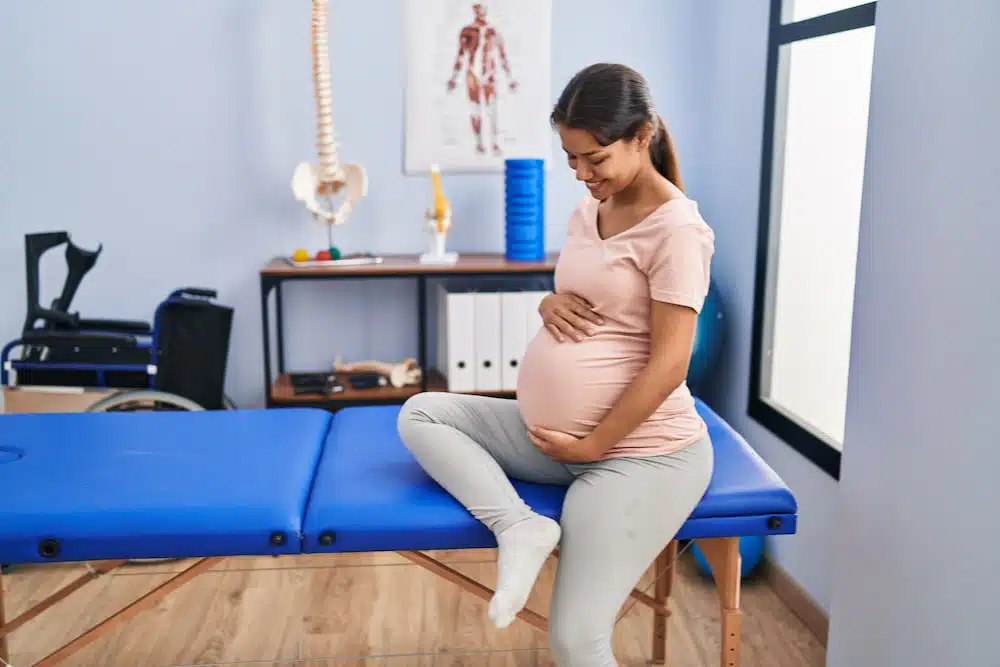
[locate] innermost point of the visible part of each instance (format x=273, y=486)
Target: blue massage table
x=114, y=487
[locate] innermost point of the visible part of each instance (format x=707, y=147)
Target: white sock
x=523, y=549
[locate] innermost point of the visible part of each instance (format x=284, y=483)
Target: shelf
x=283, y=394
x=409, y=265
x=488, y=267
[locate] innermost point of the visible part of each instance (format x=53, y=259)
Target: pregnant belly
x=570, y=386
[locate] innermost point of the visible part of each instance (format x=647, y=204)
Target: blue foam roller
x=523, y=234
x=514, y=164
x=526, y=204
x=524, y=209
x=525, y=251
x=530, y=186
x=519, y=192
x=524, y=218
x=530, y=203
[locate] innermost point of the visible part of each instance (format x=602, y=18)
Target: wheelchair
x=176, y=362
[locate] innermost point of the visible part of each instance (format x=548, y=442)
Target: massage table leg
x=4, y=655
x=664, y=573
x=723, y=556
x=64, y=592
x=143, y=603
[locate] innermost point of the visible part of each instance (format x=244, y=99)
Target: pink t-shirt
x=570, y=386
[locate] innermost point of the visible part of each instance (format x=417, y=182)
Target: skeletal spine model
x=330, y=177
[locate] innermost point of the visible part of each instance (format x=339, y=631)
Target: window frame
x=780, y=34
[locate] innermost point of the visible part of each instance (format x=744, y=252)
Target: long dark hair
x=612, y=102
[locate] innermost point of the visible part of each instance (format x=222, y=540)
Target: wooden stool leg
x=723, y=556
x=664, y=572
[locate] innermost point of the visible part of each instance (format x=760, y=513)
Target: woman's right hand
x=568, y=316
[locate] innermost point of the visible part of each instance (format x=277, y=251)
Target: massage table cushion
x=96, y=486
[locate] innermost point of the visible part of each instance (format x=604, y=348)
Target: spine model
x=328, y=178
x=326, y=140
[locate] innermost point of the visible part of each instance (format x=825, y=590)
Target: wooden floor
x=364, y=610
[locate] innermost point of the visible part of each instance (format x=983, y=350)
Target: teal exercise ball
x=707, y=341
x=751, y=554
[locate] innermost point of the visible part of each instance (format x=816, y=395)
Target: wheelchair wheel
x=144, y=400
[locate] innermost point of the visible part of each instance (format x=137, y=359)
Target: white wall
x=734, y=37
x=917, y=575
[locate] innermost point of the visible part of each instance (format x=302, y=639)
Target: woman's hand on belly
x=563, y=447
x=568, y=316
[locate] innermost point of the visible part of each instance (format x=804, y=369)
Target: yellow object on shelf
x=301, y=255
x=441, y=206
x=437, y=223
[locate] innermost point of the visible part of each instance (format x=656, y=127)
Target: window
x=815, y=138
x=800, y=10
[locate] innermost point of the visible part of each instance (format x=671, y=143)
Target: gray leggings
x=617, y=516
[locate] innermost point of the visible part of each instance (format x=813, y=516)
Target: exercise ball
x=751, y=553
x=707, y=340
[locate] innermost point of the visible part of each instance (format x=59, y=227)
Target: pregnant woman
x=602, y=405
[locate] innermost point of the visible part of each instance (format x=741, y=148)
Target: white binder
x=532, y=320
x=513, y=337
x=456, y=357
x=488, y=353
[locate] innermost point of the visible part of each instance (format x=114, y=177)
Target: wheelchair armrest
x=58, y=317
x=123, y=326
x=202, y=292
x=80, y=339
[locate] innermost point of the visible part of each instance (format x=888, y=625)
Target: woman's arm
x=672, y=329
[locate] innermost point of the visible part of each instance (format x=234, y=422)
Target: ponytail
x=661, y=151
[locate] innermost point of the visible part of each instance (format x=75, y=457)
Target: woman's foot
x=523, y=549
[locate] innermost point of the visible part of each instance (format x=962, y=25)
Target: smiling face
x=605, y=170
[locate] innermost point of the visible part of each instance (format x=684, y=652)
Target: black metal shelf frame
x=273, y=283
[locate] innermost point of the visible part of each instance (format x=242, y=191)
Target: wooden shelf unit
x=473, y=266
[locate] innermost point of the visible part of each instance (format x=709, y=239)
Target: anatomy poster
x=478, y=83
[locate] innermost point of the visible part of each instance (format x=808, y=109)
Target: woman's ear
x=644, y=136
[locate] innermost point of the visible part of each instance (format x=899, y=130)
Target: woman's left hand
x=563, y=447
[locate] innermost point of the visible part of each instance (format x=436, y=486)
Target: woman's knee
x=417, y=409
x=429, y=407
